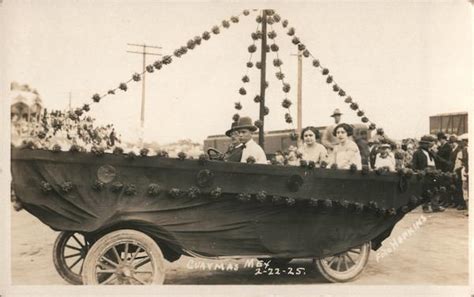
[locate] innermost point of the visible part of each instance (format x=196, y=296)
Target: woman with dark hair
x=311, y=150
x=346, y=151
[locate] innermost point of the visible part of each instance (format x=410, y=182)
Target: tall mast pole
x=300, y=94
x=261, y=139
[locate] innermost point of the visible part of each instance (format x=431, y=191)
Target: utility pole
x=143, y=52
x=299, y=104
x=70, y=98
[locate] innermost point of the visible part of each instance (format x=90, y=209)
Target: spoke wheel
x=69, y=252
x=124, y=257
x=346, y=266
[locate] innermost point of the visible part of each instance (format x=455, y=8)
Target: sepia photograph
x=278, y=148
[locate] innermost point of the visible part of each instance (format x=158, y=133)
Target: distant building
x=26, y=103
x=450, y=123
x=25, y=111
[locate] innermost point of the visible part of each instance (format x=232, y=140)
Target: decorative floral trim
x=98, y=185
x=216, y=193
x=46, y=187
x=153, y=190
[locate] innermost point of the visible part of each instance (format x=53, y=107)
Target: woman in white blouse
x=311, y=150
x=346, y=151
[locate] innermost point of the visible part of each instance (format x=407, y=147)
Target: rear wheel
x=124, y=257
x=69, y=252
x=346, y=266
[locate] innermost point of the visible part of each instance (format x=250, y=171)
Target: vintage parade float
x=122, y=214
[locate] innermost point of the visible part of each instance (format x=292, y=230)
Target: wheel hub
x=125, y=271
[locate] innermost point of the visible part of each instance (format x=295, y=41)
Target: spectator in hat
x=311, y=150
x=374, y=150
x=443, y=162
x=461, y=169
x=423, y=158
x=234, y=152
x=364, y=146
x=329, y=139
x=346, y=152
x=245, y=127
x=385, y=158
x=381, y=137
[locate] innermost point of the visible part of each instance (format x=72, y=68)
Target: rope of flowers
x=165, y=60
x=329, y=78
x=277, y=63
x=249, y=64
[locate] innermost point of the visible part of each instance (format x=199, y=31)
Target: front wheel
x=124, y=257
x=346, y=266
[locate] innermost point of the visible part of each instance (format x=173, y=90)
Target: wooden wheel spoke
x=350, y=258
x=72, y=255
x=77, y=240
x=126, y=252
x=136, y=253
x=356, y=251
x=104, y=266
x=73, y=247
x=109, y=261
x=331, y=261
x=141, y=257
x=75, y=263
x=80, y=269
x=142, y=262
x=106, y=271
x=138, y=280
x=345, y=262
x=143, y=271
x=338, y=267
x=109, y=280
x=119, y=259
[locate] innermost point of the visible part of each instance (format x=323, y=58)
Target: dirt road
x=423, y=249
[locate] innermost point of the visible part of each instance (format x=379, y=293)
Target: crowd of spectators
x=378, y=151
x=61, y=130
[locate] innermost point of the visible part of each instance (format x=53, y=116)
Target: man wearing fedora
x=424, y=158
x=328, y=139
x=245, y=127
x=234, y=152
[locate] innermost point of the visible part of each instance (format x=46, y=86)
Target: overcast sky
x=402, y=62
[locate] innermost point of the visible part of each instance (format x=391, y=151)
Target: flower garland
x=329, y=78
x=277, y=63
x=167, y=59
x=249, y=64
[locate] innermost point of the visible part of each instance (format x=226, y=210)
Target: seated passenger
x=279, y=158
x=346, y=151
x=292, y=156
x=245, y=128
x=234, y=152
x=311, y=150
x=385, y=158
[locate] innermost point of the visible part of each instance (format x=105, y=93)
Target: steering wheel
x=214, y=154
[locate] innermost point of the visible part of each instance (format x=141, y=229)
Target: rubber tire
x=350, y=276
x=116, y=237
x=59, y=261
